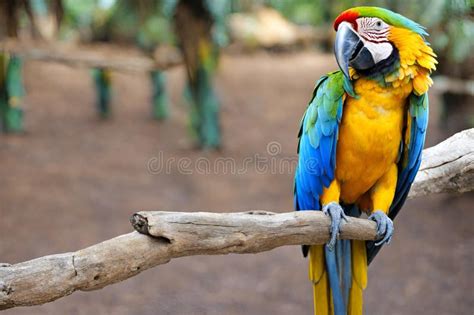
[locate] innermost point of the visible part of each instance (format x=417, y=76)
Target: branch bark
x=175, y=234
x=446, y=167
x=449, y=84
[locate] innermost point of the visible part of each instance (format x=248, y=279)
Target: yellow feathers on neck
x=417, y=60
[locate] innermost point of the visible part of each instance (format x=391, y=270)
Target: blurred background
x=91, y=91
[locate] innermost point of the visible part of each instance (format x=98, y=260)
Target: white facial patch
x=374, y=34
x=379, y=51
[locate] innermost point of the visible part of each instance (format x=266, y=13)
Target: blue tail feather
x=331, y=268
x=339, y=268
x=347, y=272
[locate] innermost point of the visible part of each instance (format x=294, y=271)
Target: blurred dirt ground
x=73, y=180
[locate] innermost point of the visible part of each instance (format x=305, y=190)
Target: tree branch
x=445, y=84
x=447, y=167
x=175, y=234
x=113, y=57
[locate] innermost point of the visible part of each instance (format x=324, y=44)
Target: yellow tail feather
x=359, y=277
x=318, y=276
x=321, y=290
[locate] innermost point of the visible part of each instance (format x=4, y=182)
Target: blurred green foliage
x=78, y=17
x=450, y=22
x=144, y=22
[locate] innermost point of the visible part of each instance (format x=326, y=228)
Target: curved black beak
x=350, y=50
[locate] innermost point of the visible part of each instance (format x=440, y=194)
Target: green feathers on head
x=386, y=15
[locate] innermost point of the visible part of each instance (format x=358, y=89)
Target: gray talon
x=335, y=211
x=384, y=227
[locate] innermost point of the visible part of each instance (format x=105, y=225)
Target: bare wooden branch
x=48, y=278
x=175, y=234
x=113, y=57
x=201, y=233
x=446, y=167
x=449, y=84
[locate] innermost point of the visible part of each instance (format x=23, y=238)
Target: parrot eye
x=379, y=25
x=371, y=26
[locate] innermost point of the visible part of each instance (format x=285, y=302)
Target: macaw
x=194, y=24
x=11, y=93
x=103, y=86
x=360, y=144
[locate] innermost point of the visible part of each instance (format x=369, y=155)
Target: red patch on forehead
x=346, y=16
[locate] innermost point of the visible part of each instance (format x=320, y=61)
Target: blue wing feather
x=317, y=143
x=408, y=167
x=317, y=146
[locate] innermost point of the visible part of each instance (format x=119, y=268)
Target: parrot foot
x=384, y=227
x=335, y=211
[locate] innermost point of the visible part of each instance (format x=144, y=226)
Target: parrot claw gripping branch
x=360, y=144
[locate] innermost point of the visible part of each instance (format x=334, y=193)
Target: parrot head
x=372, y=39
